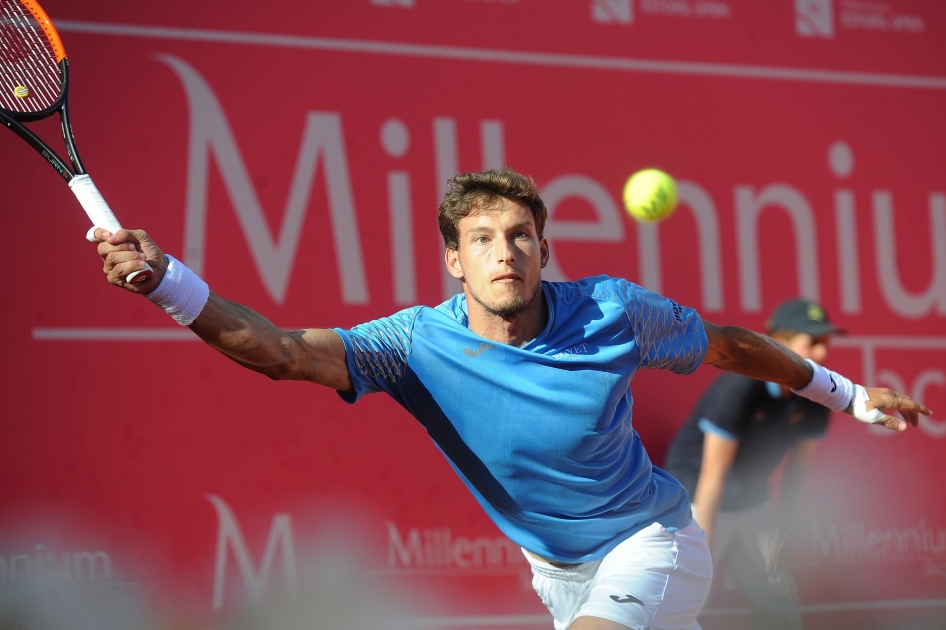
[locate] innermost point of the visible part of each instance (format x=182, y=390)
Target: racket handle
x=102, y=217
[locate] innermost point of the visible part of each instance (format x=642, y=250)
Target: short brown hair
x=468, y=193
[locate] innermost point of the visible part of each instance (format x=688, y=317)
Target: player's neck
x=513, y=330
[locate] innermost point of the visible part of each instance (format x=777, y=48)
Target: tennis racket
x=34, y=84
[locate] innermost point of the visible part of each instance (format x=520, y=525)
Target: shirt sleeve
x=377, y=353
x=669, y=336
x=706, y=426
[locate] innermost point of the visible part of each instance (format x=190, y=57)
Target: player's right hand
x=890, y=402
x=127, y=251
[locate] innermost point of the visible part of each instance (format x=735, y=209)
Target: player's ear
x=544, y=251
x=452, y=259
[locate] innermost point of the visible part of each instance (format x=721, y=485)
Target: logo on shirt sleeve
x=677, y=310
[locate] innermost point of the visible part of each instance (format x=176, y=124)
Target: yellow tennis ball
x=650, y=195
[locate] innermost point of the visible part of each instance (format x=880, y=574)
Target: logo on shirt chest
x=573, y=353
x=483, y=347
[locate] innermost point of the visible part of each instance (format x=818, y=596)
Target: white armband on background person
x=837, y=393
x=182, y=294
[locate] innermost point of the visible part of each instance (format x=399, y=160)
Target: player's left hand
x=889, y=402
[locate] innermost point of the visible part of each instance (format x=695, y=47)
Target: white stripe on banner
x=559, y=60
x=480, y=621
x=896, y=604
x=888, y=341
x=114, y=334
x=863, y=342
x=543, y=620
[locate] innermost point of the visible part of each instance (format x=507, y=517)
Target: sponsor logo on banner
x=814, y=18
x=56, y=566
x=857, y=541
x=279, y=545
x=612, y=11
x=622, y=11
x=404, y=4
x=414, y=550
x=410, y=4
x=877, y=16
x=698, y=9
x=325, y=155
x=440, y=548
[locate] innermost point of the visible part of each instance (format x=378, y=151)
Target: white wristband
x=181, y=293
x=828, y=388
x=859, y=409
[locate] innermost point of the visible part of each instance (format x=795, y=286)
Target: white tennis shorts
x=655, y=580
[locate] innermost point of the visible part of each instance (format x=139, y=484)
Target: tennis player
x=524, y=386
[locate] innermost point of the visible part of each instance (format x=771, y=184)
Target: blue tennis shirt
x=541, y=434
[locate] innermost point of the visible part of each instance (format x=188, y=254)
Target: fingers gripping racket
x=34, y=84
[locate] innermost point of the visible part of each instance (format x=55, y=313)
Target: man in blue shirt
x=524, y=386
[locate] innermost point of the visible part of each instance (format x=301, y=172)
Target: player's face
x=500, y=258
x=808, y=347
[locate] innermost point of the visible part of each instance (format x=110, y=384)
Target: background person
x=725, y=455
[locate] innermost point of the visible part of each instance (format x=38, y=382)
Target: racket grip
x=102, y=217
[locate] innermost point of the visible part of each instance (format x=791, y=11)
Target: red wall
x=811, y=153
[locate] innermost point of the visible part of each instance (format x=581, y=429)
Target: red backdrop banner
x=295, y=158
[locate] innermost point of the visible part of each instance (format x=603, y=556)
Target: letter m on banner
x=230, y=536
x=322, y=140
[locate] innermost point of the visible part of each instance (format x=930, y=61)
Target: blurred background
x=294, y=156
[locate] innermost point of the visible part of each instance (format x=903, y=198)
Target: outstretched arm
x=248, y=338
x=739, y=350
x=235, y=330
x=736, y=349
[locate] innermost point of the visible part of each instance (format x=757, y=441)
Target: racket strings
x=29, y=74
